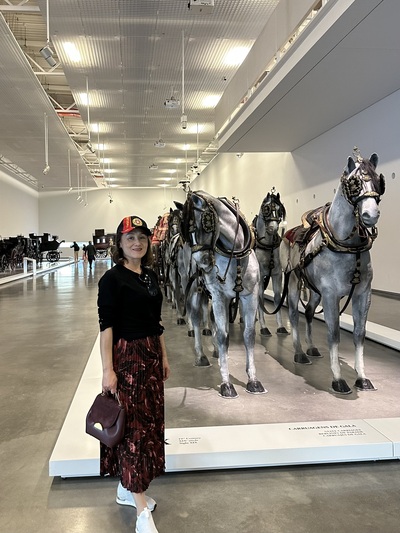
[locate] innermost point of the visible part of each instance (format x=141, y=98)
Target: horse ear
x=278, y=195
x=170, y=210
x=179, y=205
x=350, y=165
x=382, y=185
x=374, y=160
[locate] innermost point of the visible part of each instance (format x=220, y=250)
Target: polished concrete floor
x=48, y=326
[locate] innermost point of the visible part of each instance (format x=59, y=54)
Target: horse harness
x=353, y=187
x=210, y=224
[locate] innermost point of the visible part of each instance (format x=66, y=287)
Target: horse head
x=200, y=228
x=271, y=214
x=174, y=222
x=363, y=188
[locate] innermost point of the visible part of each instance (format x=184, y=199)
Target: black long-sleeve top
x=128, y=304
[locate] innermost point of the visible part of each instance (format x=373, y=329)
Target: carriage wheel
x=3, y=263
x=101, y=254
x=13, y=260
x=52, y=256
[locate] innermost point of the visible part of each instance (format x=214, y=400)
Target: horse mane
x=187, y=218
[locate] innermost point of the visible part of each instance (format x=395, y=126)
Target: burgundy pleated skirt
x=140, y=457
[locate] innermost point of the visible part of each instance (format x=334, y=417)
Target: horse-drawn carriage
x=102, y=242
x=42, y=244
x=12, y=252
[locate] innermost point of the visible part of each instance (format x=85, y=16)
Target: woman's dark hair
x=118, y=255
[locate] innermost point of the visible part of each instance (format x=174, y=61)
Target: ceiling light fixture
x=69, y=171
x=46, y=52
x=159, y=144
x=183, y=116
x=46, y=146
x=153, y=167
x=72, y=52
x=172, y=103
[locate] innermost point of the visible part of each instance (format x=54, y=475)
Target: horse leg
x=331, y=316
x=277, y=288
x=177, y=293
x=221, y=317
x=360, y=306
x=205, y=314
x=314, y=300
x=264, y=331
x=293, y=302
x=249, y=304
x=195, y=314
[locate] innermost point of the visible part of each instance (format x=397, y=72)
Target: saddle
x=310, y=224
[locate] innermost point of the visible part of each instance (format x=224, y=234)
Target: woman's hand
x=109, y=382
x=166, y=369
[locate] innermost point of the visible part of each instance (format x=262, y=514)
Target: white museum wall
x=61, y=214
x=307, y=178
x=19, y=211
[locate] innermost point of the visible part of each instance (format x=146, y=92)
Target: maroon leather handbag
x=105, y=420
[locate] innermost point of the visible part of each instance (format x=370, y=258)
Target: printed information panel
x=275, y=444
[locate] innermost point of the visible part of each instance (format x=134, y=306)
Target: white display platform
x=374, y=332
x=201, y=448
x=44, y=268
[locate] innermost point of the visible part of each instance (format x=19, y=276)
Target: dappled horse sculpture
x=172, y=258
x=330, y=253
x=221, y=245
x=268, y=240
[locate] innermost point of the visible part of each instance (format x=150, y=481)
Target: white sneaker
x=125, y=497
x=145, y=523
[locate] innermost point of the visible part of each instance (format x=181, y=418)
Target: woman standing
x=135, y=364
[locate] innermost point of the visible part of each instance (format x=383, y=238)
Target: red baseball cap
x=133, y=222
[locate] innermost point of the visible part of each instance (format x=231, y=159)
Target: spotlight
x=111, y=200
x=90, y=147
x=46, y=169
x=184, y=121
x=47, y=54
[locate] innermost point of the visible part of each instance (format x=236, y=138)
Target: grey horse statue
x=221, y=244
x=329, y=253
x=266, y=226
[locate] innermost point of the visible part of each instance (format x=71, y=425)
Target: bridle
x=271, y=210
x=210, y=225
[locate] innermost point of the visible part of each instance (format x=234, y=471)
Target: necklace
x=147, y=281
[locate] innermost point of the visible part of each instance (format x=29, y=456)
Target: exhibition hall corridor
x=48, y=328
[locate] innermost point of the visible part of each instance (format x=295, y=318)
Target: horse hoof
x=282, y=331
x=255, y=387
x=207, y=332
x=364, y=384
x=302, y=359
x=191, y=333
x=173, y=306
x=203, y=361
x=265, y=332
x=340, y=386
x=215, y=354
x=227, y=390
x=314, y=352
x=181, y=321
